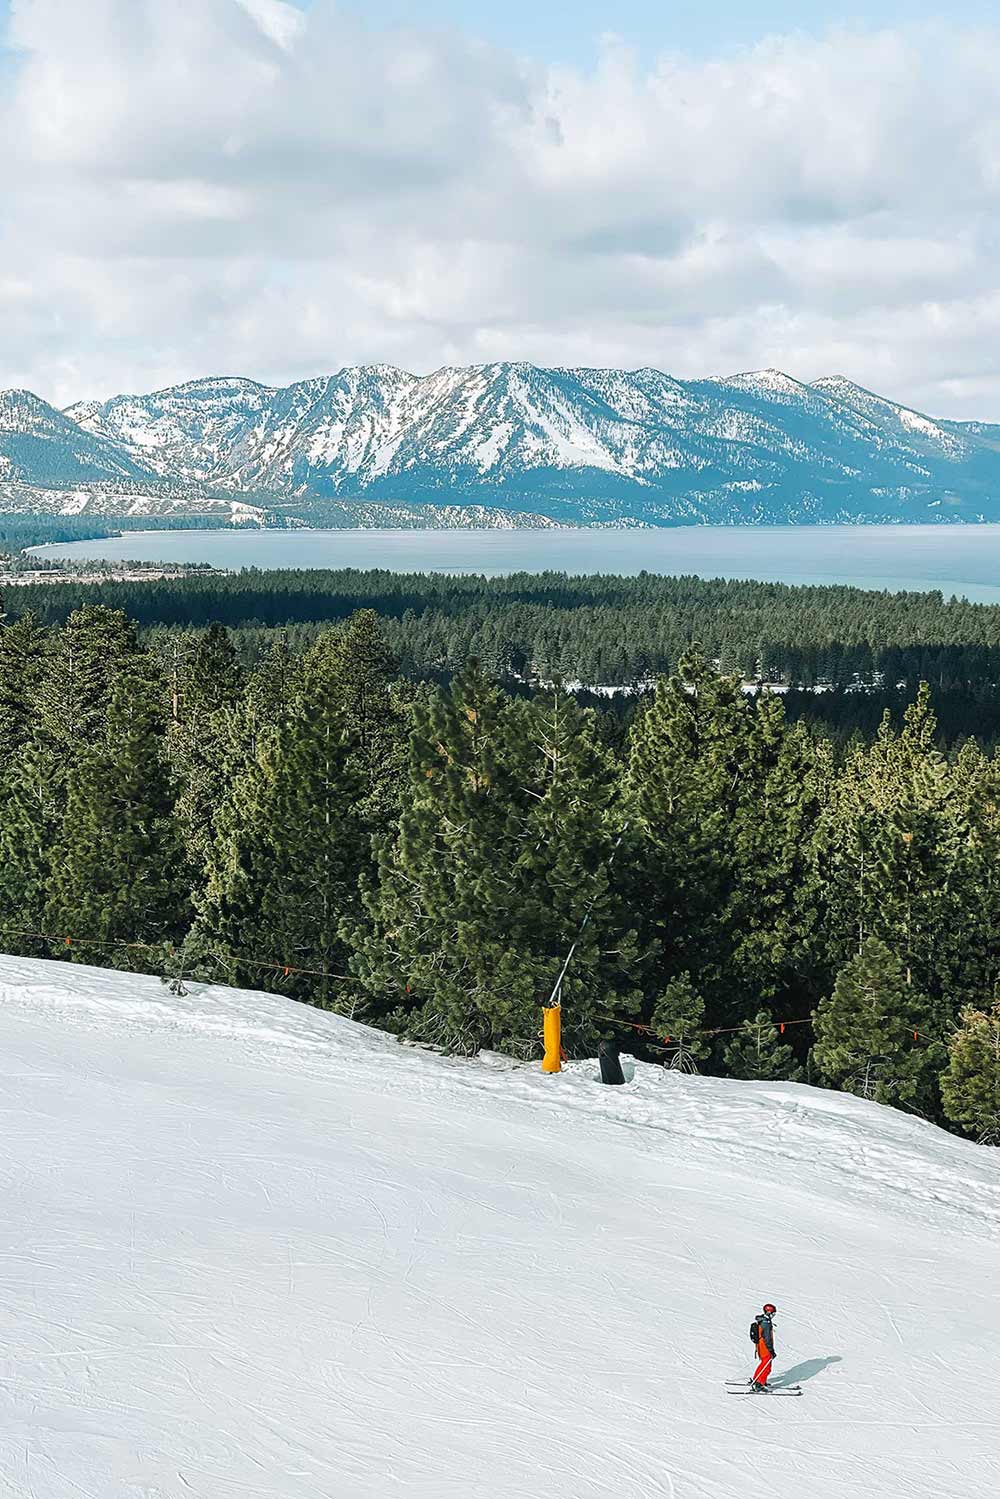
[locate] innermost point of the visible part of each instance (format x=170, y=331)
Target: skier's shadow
x=808, y=1369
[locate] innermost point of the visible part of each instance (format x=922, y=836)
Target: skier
x=762, y=1337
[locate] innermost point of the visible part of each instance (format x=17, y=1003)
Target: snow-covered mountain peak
x=18, y=407
x=216, y=387
x=375, y=375
x=575, y=443
x=40, y=444
x=903, y=418
x=768, y=382
x=841, y=387
x=181, y=432
x=19, y=395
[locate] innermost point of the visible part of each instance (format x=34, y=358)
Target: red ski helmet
x=769, y=1308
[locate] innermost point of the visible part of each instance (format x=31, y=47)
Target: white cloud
x=240, y=186
x=281, y=22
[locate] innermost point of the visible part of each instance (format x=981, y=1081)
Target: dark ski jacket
x=765, y=1332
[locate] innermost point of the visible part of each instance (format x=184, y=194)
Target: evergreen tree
x=689, y=758
x=290, y=848
x=196, y=959
x=71, y=683
x=567, y=914
x=970, y=1087
x=865, y=1040
x=252, y=723
x=975, y=937
x=206, y=683
x=89, y=653
x=427, y=956
x=118, y=872
x=725, y=798
x=890, y=856
x=496, y=894
x=776, y=904
x=361, y=670
x=29, y=787
x=756, y=1051
x=23, y=647
x=678, y=1017
x=30, y=816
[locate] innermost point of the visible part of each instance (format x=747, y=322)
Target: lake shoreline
x=602, y=528
x=956, y=560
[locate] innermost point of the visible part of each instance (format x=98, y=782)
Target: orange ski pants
x=763, y=1369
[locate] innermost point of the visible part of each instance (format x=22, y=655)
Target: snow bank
x=252, y=1249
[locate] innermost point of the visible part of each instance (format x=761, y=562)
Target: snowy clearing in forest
x=251, y=1249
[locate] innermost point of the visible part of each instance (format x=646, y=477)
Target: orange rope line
x=285, y=969
x=724, y=1030
x=748, y=1026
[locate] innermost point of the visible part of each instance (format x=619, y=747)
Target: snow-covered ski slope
x=252, y=1251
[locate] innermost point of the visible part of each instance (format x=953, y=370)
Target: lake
x=962, y=560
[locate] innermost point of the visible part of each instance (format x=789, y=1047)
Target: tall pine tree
x=569, y=918
x=689, y=755
x=68, y=684
x=970, y=1087
x=868, y=1032
x=500, y=880
x=724, y=797
x=253, y=721
x=974, y=949
x=892, y=859
x=206, y=683
x=756, y=1051
x=89, y=652
x=678, y=1019
x=290, y=848
x=119, y=875
x=361, y=670
x=31, y=813
x=776, y=905
x=23, y=650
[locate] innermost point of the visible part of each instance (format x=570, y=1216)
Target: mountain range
x=502, y=443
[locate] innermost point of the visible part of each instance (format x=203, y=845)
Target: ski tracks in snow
x=254, y=1250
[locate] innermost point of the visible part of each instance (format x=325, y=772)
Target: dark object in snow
x=611, y=1067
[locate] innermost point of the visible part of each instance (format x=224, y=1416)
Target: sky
x=571, y=32
x=195, y=187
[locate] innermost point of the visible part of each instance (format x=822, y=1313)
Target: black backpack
x=754, y=1332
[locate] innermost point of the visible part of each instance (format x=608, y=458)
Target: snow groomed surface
x=250, y=1249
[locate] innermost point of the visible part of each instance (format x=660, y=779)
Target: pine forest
x=374, y=794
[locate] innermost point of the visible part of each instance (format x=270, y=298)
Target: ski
x=785, y=1390
x=744, y=1384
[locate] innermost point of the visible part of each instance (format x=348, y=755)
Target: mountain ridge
x=571, y=444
